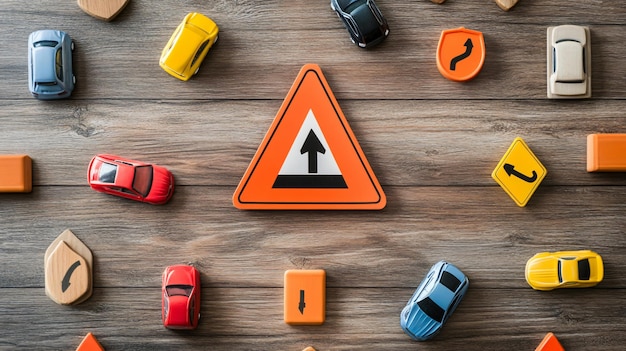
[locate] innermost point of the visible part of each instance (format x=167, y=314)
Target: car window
x=192, y=308
x=584, y=270
x=50, y=43
x=558, y=270
x=107, y=173
x=59, y=64
x=143, y=180
x=431, y=309
x=200, y=50
x=449, y=281
x=166, y=305
x=179, y=290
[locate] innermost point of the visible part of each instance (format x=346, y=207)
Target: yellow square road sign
x=519, y=172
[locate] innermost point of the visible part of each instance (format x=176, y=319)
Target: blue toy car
x=50, y=73
x=363, y=20
x=433, y=301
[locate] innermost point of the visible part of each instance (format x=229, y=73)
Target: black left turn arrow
x=301, y=305
x=66, y=279
x=510, y=170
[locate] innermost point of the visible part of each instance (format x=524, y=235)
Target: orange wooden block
x=90, y=344
x=305, y=297
x=550, y=343
x=309, y=349
x=16, y=175
x=606, y=153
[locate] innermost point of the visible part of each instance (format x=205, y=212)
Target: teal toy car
x=50, y=71
x=434, y=301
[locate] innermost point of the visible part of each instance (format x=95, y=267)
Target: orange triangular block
x=90, y=344
x=309, y=158
x=550, y=343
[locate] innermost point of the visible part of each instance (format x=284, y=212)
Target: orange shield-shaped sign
x=460, y=54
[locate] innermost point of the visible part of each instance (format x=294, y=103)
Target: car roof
x=44, y=64
x=188, y=41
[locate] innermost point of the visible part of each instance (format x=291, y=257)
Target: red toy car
x=181, y=297
x=133, y=180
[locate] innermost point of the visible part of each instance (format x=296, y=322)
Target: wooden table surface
x=432, y=143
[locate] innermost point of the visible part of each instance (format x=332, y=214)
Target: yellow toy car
x=188, y=46
x=564, y=269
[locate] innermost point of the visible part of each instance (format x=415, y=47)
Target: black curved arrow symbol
x=510, y=170
x=468, y=51
x=66, y=280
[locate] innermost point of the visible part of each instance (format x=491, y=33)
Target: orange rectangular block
x=606, y=153
x=305, y=297
x=16, y=175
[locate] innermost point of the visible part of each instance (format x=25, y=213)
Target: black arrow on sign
x=312, y=145
x=510, y=170
x=468, y=51
x=66, y=280
x=301, y=305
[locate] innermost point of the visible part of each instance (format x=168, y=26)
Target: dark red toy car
x=131, y=179
x=181, y=297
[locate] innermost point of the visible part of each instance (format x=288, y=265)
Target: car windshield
x=431, y=309
x=107, y=173
x=179, y=290
x=449, y=281
x=584, y=270
x=143, y=180
x=50, y=43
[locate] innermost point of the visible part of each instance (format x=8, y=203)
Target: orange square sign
x=305, y=297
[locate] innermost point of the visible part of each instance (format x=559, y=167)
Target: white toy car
x=569, y=62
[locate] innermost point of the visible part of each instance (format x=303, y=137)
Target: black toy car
x=363, y=19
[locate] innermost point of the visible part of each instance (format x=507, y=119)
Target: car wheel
x=74, y=79
x=72, y=46
x=216, y=37
x=196, y=72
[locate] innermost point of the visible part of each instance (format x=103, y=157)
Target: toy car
x=131, y=179
x=434, y=301
x=569, y=62
x=564, y=269
x=180, y=303
x=50, y=73
x=188, y=46
x=363, y=19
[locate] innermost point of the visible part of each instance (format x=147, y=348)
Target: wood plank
x=408, y=143
x=478, y=228
x=367, y=318
x=260, y=60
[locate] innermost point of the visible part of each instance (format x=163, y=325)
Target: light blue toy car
x=434, y=301
x=50, y=72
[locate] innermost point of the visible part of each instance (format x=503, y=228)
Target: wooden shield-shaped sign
x=68, y=270
x=506, y=4
x=460, y=54
x=105, y=10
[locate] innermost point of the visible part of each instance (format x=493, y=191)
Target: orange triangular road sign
x=90, y=343
x=309, y=158
x=550, y=343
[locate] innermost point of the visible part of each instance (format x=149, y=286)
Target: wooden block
x=305, y=297
x=311, y=348
x=506, y=4
x=103, y=9
x=550, y=343
x=438, y=1
x=16, y=175
x=56, y=270
x=90, y=343
x=606, y=153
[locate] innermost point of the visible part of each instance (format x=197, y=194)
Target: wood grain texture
x=432, y=143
